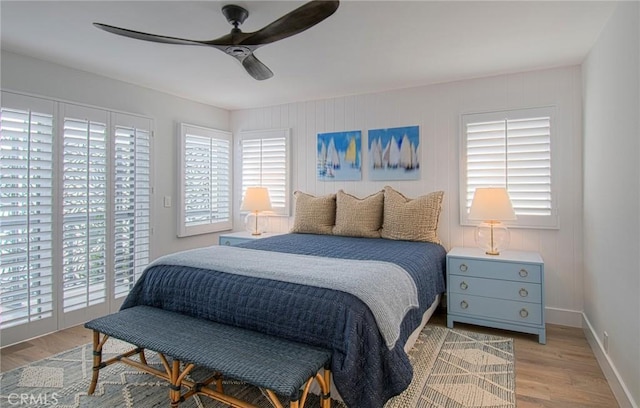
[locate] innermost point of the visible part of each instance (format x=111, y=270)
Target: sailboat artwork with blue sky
x=394, y=153
x=339, y=156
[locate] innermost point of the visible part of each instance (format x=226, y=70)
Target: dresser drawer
x=490, y=308
x=513, y=271
x=518, y=291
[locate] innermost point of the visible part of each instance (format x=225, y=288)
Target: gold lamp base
x=493, y=237
x=255, y=224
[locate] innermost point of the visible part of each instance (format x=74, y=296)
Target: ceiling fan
x=241, y=45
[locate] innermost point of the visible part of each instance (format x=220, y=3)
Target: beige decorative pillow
x=359, y=217
x=411, y=219
x=314, y=215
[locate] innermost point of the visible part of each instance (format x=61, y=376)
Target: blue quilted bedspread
x=365, y=371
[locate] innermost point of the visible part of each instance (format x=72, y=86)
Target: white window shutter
x=486, y=156
x=205, y=187
x=511, y=149
x=26, y=218
x=265, y=163
x=74, y=212
x=132, y=200
x=84, y=208
x=529, y=165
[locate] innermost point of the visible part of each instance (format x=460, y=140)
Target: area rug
x=452, y=368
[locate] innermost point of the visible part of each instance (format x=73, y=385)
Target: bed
x=357, y=276
x=369, y=360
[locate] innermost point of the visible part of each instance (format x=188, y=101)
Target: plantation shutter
x=512, y=150
x=74, y=212
x=84, y=207
x=205, y=162
x=132, y=200
x=265, y=163
x=26, y=218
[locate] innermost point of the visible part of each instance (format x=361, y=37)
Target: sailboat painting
x=339, y=156
x=394, y=153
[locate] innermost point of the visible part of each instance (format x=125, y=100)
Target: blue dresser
x=504, y=291
x=235, y=238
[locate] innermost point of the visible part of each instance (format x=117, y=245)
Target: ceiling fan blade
x=256, y=68
x=293, y=23
x=147, y=37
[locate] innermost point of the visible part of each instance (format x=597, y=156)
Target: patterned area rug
x=452, y=368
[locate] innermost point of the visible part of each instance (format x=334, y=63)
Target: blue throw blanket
x=365, y=371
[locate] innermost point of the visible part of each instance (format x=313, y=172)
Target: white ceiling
x=366, y=46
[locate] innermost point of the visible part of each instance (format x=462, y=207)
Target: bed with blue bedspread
x=369, y=363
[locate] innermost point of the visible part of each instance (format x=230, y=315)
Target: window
x=84, y=207
x=74, y=212
x=265, y=163
x=26, y=216
x=132, y=201
x=205, y=187
x=511, y=149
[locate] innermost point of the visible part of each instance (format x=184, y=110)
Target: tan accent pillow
x=411, y=219
x=359, y=217
x=314, y=215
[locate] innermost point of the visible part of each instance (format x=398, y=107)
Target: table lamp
x=492, y=205
x=256, y=199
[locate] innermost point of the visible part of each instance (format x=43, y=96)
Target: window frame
x=263, y=134
x=225, y=224
x=550, y=221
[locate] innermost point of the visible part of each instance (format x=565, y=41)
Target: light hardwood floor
x=561, y=374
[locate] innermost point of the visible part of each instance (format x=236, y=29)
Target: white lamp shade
x=491, y=204
x=256, y=199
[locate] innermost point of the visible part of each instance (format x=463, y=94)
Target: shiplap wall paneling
x=436, y=109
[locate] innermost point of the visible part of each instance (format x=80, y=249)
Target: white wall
x=609, y=288
x=612, y=200
x=37, y=77
x=437, y=109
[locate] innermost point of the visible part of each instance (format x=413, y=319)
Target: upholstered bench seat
x=284, y=367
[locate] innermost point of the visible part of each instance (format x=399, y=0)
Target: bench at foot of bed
x=279, y=366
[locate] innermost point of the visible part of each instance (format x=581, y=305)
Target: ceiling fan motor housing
x=238, y=51
x=235, y=14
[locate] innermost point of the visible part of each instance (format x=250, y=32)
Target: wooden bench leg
x=97, y=359
x=174, y=390
x=219, y=385
x=325, y=398
x=143, y=358
x=175, y=377
x=300, y=400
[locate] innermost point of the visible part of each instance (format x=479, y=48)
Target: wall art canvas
x=394, y=153
x=339, y=156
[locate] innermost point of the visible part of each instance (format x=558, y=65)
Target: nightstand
x=235, y=238
x=504, y=291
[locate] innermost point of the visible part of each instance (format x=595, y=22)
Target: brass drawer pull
x=523, y=292
x=464, y=304
x=524, y=313
x=523, y=272
x=463, y=267
x=463, y=285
